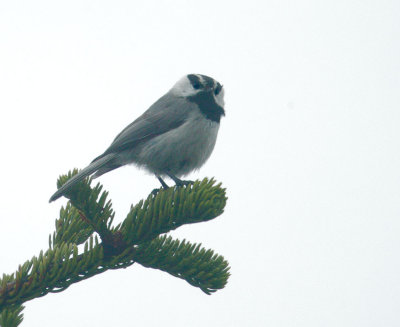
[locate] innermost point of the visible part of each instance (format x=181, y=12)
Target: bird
x=173, y=137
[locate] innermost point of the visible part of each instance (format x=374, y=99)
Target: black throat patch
x=207, y=105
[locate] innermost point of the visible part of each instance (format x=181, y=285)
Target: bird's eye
x=218, y=89
x=196, y=86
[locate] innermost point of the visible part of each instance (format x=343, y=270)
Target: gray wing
x=167, y=113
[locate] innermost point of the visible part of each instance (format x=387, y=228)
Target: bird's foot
x=178, y=181
x=183, y=183
x=155, y=191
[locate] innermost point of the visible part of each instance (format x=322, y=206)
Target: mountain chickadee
x=172, y=138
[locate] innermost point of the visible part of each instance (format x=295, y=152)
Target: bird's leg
x=164, y=185
x=178, y=181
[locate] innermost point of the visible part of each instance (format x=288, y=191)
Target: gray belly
x=181, y=150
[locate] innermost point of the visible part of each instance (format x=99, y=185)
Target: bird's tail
x=89, y=170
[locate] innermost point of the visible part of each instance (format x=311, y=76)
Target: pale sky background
x=308, y=151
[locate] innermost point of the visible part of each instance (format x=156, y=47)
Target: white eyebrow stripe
x=201, y=79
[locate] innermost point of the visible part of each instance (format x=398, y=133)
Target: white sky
x=308, y=150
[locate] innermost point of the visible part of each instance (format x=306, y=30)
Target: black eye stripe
x=195, y=81
x=208, y=81
x=218, y=89
x=204, y=82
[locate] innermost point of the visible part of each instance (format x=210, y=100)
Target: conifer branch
x=137, y=239
x=12, y=316
x=198, y=266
